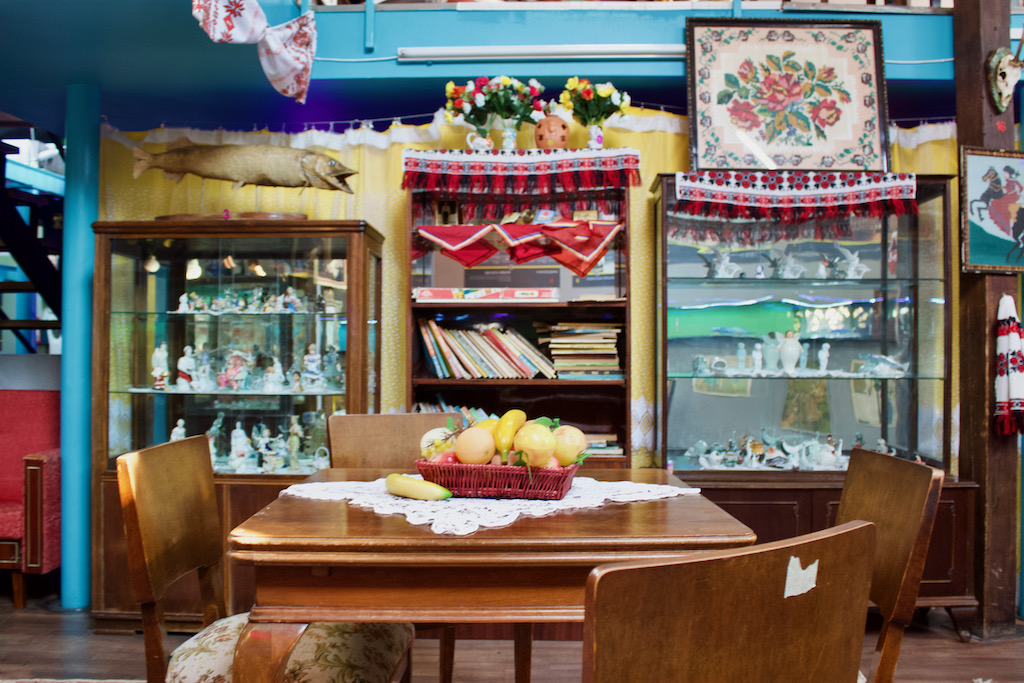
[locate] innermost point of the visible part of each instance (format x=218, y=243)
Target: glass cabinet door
x=245, y=339
x=783, y=346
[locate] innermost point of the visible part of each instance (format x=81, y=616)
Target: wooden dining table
x=329, y=560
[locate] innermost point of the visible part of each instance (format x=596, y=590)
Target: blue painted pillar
x=81, y=207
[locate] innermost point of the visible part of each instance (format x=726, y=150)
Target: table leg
x=523, y=634
x=261, y=655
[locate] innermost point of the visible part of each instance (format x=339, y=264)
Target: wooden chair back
x=390, y=440
x=900, y=498
x=172, y=528
x=791, y=610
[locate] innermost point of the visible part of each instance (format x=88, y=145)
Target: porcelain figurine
x=804, y=350
x=741, y=356
x=757, y=357
x=295, y=435
x=724, y=267
x=771, y=352
x=160, y=371
x=855, y=270
x=186, y=370
x=178, y=433
x=790, y=269
x=312, y=368
x=273, y=378
x=240, y=446
x=789, y=352
x=823, y=358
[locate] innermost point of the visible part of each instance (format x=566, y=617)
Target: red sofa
x=29, y=485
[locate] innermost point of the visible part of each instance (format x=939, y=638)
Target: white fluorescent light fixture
x=511, y=53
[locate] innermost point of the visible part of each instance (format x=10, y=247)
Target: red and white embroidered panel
x=794, y=196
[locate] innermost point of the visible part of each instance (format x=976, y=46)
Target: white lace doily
x=461, y=516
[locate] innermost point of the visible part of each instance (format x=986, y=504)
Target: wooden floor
x=43, y=641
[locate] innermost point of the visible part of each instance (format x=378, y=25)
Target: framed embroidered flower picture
x=786, y=95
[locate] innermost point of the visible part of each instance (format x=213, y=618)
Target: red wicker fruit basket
x=499, y=481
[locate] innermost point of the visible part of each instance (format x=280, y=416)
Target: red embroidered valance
x=794, y=196
x=515, y=172
x=577, y=245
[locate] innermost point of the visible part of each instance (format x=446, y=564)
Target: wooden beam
x=979, y=27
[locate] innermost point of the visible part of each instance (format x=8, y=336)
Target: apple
x=569, y=443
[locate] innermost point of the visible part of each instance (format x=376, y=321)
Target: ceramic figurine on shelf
x=240, y=446
x=297, y=387
x=757, y=357
x=770, y=349
x=804, y=350
x=183, y=306
x=823, y=358
x=790, y=269
x=312, y=367
x=789, y=352
x=741, y=356
x=215, y=433
x=178, y=433
x=273, y=378
x=759, y=273
x=236, y=372
x=724, y=267
x=855, y=270
x=289, y=301
x=331, y=368
x=160, y=371
x=295, y=435
x=822, y=272
x=186, y=370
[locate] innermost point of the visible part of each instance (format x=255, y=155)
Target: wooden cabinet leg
x=446, y=654
x=523, y=651
x=963, y=618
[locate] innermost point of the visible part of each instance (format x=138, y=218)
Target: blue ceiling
x=154, y=66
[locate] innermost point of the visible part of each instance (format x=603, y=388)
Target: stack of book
x=471, y=414
x=483, y=352
x=584, y=350
x=603, y=445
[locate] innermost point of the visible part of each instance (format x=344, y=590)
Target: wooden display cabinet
x=860, y=294
x=251, y=331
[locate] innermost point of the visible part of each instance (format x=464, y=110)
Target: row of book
x=482, y=352
x=583, y=350
x=471, y=414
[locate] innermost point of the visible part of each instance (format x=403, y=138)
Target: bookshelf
x=512, y=254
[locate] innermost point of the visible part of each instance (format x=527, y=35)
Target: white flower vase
x=789, y=354
x=595, y=137
x=479, y=143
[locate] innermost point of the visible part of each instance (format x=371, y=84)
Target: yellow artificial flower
x=605, y=90
x=448, y=116
x=505, y=81
x=449, y=88
x=565, y=98
x=572, y=83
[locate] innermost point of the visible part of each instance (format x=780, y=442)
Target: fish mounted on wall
x=246, y=165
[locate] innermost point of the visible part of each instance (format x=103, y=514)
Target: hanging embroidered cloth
x=1009, y=417
x=794, y=196
x=577, y=245
x=516, y=172
x=285, y=51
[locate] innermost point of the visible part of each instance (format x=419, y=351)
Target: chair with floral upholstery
x=172, y=529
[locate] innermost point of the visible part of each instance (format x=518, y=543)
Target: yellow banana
x=410, y=487
x=508, y=425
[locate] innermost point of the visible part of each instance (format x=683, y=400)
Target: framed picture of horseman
x=991, y=222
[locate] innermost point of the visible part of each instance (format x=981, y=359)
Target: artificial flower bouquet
x=483, y=100
x=591, y=104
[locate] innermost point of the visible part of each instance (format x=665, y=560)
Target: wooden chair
x=791, y=610
x=392, y=440
x=172, y=529
x=900, y=498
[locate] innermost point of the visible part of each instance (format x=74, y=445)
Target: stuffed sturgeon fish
x=247, y=165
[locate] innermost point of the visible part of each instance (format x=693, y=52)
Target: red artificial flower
x=587, y=93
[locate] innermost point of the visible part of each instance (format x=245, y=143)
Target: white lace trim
x=461, y=516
